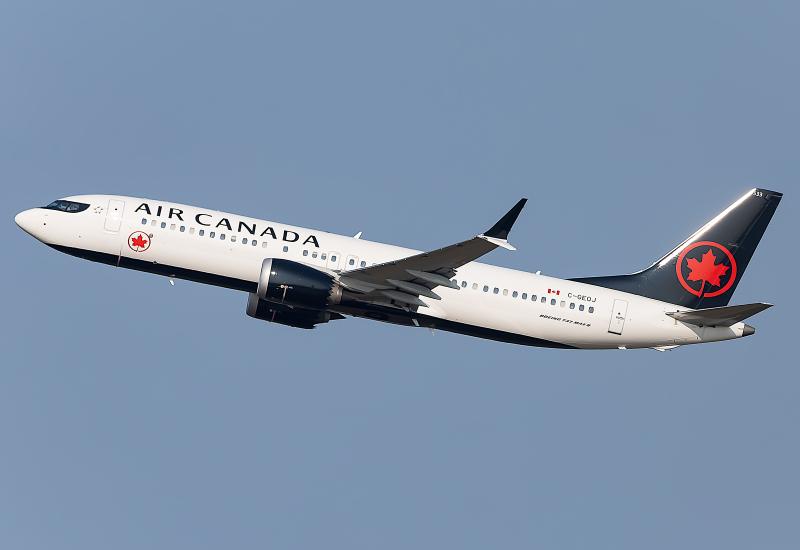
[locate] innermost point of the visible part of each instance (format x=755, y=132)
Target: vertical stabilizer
x=704, y=270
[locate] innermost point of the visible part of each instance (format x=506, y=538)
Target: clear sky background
x=134, y=414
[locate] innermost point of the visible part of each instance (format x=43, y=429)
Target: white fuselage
x=495, y=298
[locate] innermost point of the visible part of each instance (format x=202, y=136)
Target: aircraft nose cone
x=25, y=220
x=748, y=330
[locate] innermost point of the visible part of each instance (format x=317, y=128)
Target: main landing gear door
x=618, y=316
x=114, y=216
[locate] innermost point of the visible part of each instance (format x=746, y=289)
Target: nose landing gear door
x=114, y=216
x=618, y=316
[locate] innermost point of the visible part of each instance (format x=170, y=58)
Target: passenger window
x=572, y=305
x=314, y=254
x=563, y=303
x=352, y=261
x=333, y=258
x=305, y=252
x=163, y=225
x=363, y=264
x=514, y=294
x=496, y=290
x=545, y=299
x=474, y=286
x=222, y=236
x=485, y=288
x=191, y=231
x=172, y=226
x=591, y=309
x=580, y=307
x=211, y=234
x=525, y=296
x=463, y=284
x=183, y=228
x=286, y=249
x=505, y=292
x=144, y=221
x=254, y=242
x=552, y=302
x=233, y=238
x=244, y=240
x=324, y=256
x=264, y=244
x=201, y=232
x=153, y=223
x=533, y=297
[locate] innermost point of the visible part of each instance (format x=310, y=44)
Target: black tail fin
x=704, y=270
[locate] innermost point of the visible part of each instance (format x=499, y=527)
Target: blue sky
x=136, y=414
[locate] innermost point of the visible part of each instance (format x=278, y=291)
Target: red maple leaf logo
x=140, y=242
x=706, y=270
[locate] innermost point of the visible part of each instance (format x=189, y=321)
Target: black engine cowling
x=297, y=285
x=287, y=315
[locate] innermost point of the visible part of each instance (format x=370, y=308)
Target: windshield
x=67, y=206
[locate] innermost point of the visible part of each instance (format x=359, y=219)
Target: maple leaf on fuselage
x=706, y=270
x=139, y=241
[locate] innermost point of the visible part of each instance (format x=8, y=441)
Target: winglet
x=497, y=242
x=501, y=229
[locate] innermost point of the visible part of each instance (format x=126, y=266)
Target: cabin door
x=618, y=316
x=114, y=215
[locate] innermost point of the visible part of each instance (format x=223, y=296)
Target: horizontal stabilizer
x=719, y=316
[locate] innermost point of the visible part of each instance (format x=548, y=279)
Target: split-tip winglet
x=501, y=229
x=498, y=234
x=498, y=242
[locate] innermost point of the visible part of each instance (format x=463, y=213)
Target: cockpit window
x=67, y=206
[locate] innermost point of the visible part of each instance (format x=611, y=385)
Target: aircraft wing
x=406, y=279
x=719, y=316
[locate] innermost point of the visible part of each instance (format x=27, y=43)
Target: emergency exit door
x=333, y=260
x=114, y=215
x=351, y=263
x=618, y=316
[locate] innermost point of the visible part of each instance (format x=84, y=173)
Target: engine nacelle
x=297, y=285
x=286, y=315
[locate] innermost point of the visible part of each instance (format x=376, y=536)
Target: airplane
x=303, y=278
